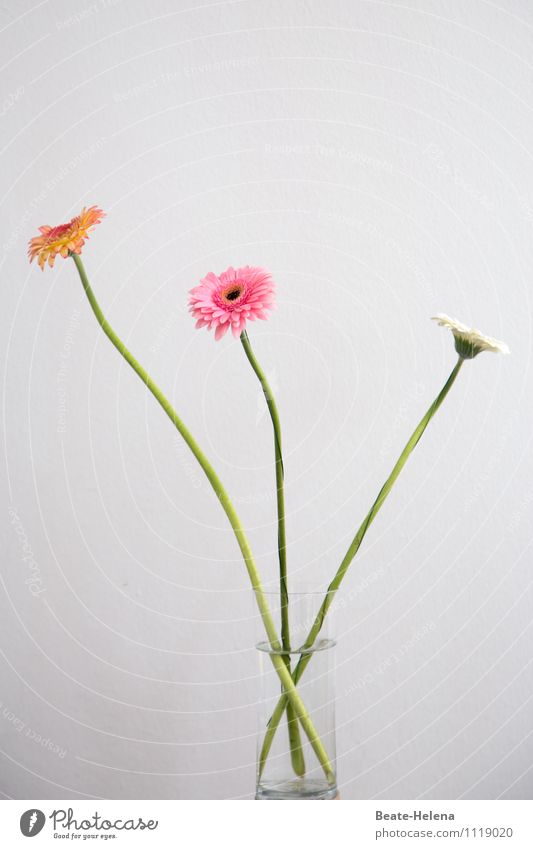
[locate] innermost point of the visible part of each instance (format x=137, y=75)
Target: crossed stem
x=287, y=683
x=291, y=696
x=301, y=666
x=295, y=742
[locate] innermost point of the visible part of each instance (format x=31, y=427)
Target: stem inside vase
x=278, y=779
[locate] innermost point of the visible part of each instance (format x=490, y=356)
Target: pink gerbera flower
x=231, y=299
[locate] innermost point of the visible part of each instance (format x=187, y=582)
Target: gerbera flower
x=469, y=342
x=65, y=238
x=231, y=299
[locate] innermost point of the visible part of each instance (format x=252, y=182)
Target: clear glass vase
x=287, y=765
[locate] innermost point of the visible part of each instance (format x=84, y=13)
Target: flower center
x=59, y=231
x=232, y=293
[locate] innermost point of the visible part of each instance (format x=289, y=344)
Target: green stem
x=280, y=493
x=349, y=556
x=285, y=677
x=297, y=756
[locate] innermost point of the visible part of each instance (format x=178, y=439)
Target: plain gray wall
x=377, y=158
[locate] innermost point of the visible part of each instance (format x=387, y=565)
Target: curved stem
x=280, y=493
x=284, y=675
x=297, y=756
x=350, y=554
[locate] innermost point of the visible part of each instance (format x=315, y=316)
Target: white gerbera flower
x=468, y=341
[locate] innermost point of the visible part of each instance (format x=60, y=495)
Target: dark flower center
x=233, y=294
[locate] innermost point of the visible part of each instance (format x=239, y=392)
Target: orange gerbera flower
x=65, y=238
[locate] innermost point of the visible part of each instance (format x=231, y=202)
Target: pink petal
x=220, y=331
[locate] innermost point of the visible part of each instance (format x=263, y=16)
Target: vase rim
x=299, y=592
x=322, y=645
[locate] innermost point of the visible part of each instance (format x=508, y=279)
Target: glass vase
x=287, y=766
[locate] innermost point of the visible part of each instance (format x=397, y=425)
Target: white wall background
x=376, y=156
